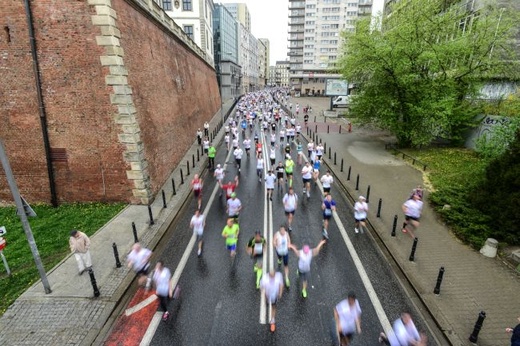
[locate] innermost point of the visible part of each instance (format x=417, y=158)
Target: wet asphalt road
x=219, y=304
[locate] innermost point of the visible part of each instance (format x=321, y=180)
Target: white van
x=341, y=101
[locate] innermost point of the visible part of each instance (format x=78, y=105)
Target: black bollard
x=325, y=148
x=315, y=126
x=134, y=231
x=150, y=215
x=394, y=226
x=187, y=167
x=328, y=128
x=437, y=288
x=368, y=193
x=379, y=204
x=334, y=157
x=198, y=155
x=116, y=255
x=211, y=137
x=307, y=131
x=193, y=161
x=314, y=118
x=341, y=170
x=357, y=182
x=339, y=128
x=329, y=154
x=164, y=199
x=414, y=247
x=182, y=178
x=201, y=150
x=173, y=187
x=348, y=175
x=93, y=282
x=478, y=325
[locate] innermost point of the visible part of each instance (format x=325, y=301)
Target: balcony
x=295, y=14
x=295, y=5
x=296, y=29
x=293, y=46
x=295, y=37
x=295, y=52
x=297, y=21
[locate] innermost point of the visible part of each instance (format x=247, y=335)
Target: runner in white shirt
x=282, y=135
x=281, y=243
x=247, y=145
x=205, y=145
x=290, y=203
x=233, y=206
x=347, y=315
x=235, y=143
x=306, y=177
x=273, y=139
x=310, y=149
x=270, y=180
x=319, y=151
x=412, y=209
x=305, y=256
x=219, y=175
x=226, y=140
x=327, y=181
x=238, y=152
x=197, y=223
x=259, y=168
x=360, y=214
x=272, y=155
x=272, y=288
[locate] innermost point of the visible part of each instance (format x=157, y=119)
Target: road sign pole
x=5, y=263
x=23, y=217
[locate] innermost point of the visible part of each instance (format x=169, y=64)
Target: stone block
x=118, y=70
x=124, y=120
x=100, y=2
x=131, y=129
x=115, y=80
x=128, y=138
x=106, y=10
x=122, y=89
x=141, y=193
x=103, y=20
x=133, y=175
x=114, y=50
x=107, y=41
x=120, y=99
x=127, y=109
x=139, y=184
x=111, y=60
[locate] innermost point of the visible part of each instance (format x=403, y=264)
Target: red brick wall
x=172, y=90
x=77, y=101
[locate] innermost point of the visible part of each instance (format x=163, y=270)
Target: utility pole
x=23, y=217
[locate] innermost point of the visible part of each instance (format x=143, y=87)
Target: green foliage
x=416, y=75
x=499, y=194
x=51, y=232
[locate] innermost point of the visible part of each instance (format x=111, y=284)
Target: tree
x=418, y=75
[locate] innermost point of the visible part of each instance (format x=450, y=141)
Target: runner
x=163, y=287
x=235, y=143
x=273, y=138
x=259, y=168
x=197, y=223
x=306, y=119
x=282, y=135
x=306, y=177
x=258, y=149
x=219, y=175
x=226, y=140
x=230, y=233
x=272, y=288
x=270, y=180
x=310, y=149
x=238, y=152
x=289, y=166
x=230, y=187
x=196, y=185
x=212, y=152
x=281, y=243
x=299, y=151
x=305, y=256
x=255, y=249
x=327, y=181
x=316, y=170
x=298, y=130
x=403, y=332
x=280, y=170
x=290, y=203
x=360, y=214
x=205, y=145
x=347, y=315
x=272, y=155
x=319, y=151
x=328, y=206
x=233, y=207
x=412, y=210
x=247, y=145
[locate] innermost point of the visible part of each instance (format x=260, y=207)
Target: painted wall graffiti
x=486, y=127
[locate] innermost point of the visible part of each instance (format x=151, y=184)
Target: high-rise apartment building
x=314, y=39
x=281, y=74
x=264, y=65
x=195, y=18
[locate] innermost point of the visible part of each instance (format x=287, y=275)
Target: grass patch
x=51, y=232
x=453, y=174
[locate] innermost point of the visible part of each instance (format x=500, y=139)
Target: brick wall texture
x=123, y=97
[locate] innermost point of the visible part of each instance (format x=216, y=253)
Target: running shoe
x=356, y=230
x=199, y=252
x=404, y=230
x=165, y=316
x=273, y=327
x=325, y=234
x=279, y=261
x=304, y=293
x=287, y=282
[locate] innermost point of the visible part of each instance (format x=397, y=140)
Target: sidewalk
x=472, y=282
x=70, y=315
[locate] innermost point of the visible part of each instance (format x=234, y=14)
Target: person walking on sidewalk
x=347, y=315
x=272, y=288
x=199, y=136
x=230, y=233
x=290, y=203
x=80, y=246
x=403, y=332
x=206, y=129
x=163, y=287
x=360, y=214
x=212, y=152
x=139, y=260
x=197, y=223
x=412, y=209
x=305, y=256
x=515, y=334
x=328, y=206
x=256, y=248
x=282, y=243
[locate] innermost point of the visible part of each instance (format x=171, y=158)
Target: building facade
x=262, y=66
x=225, y=35
x=241, y=13
x=195, y=18
x=282, y=73
x=314, y=40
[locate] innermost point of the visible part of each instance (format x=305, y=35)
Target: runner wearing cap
x=255, y=249
x=289, y=167
x=305, y=256
x=233, y=206
x=360, y=214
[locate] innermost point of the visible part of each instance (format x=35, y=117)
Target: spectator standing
x=206, y=129
x=80, y=247
x=199, y=136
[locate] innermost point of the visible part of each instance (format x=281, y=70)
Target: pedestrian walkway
x=71, y=315
x=472, y=283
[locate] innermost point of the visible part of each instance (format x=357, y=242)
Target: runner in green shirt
x=211, y=156
x=230, y=233
x=289, y=166
x=256, y=249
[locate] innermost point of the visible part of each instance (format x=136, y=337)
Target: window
x=188, y=29
x=187, y=6
x=167, y=5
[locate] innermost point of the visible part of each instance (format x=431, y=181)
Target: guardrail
x=393, y=147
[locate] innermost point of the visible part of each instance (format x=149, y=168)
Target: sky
x=269, y=19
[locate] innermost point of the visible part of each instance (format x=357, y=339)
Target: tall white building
x=195, y=18
x=314, y=39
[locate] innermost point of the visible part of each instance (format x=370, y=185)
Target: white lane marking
x=141, y=305
x=376, y=303
x=154, y=324
x=263, y=311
